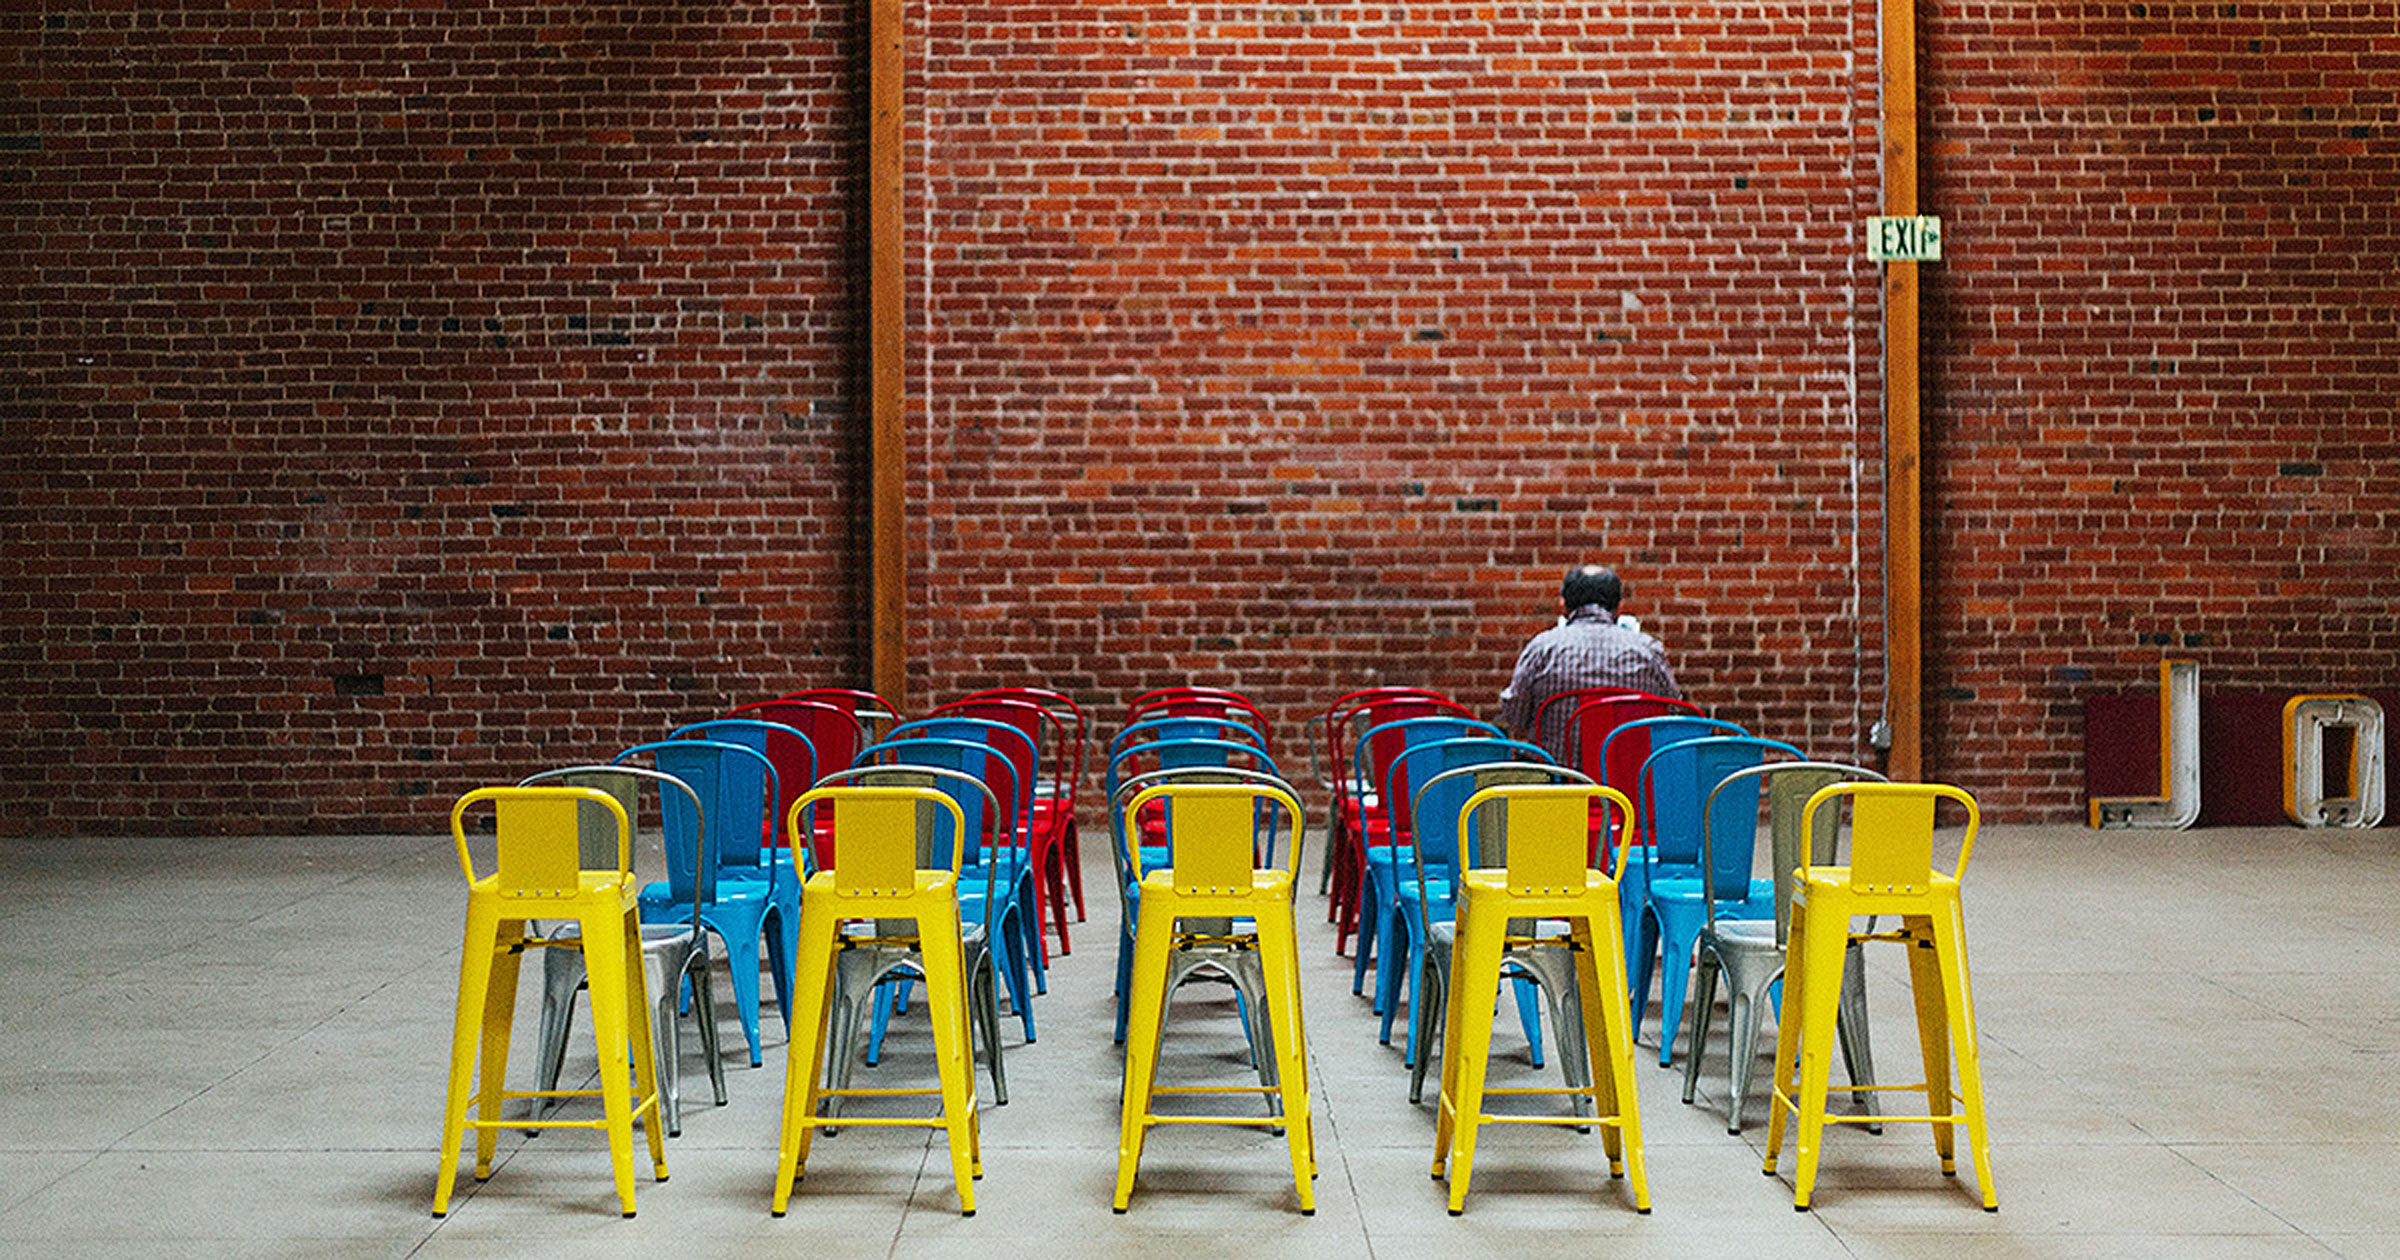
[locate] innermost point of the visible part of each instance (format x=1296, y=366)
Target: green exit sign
x=1904, y=238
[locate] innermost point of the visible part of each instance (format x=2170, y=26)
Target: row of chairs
x=1672, y=805
x=743, y=836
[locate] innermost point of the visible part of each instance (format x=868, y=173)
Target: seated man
x=1589, y=647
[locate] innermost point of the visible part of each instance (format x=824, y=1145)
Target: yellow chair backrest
x=879, y=834
x=1546, y=832
x=1891, y=831
x=1212, y=831
x=539, y=830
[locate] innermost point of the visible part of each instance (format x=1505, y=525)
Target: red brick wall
x=1302, y=346
x=401, y=398
x=2167, y=358
x=510, y=354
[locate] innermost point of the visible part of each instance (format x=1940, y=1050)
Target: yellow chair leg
x=466, y=1034
x=1821, y=959
x=946, y=1006
x=604, y=958
x=1609, y=1039
x=812, y=982
x=1474, y=975
x=642, y=1049
x=1782, y=1081
x=499, y=1018
x=1279, y=956
x=1950, y=940
x=1152, y=939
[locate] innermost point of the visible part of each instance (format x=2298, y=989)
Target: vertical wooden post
x=887, y=351
x=1903, y=511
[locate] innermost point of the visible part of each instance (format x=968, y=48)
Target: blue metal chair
x=1622, y=752
x=1426, y=884
x=1017, y=792
x=791, y=750
x=1676, y=804
x=993, y=869
x=1373, y=754
x=746, y=890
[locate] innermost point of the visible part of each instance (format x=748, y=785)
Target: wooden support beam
x=887, y=365
x=1903, y=477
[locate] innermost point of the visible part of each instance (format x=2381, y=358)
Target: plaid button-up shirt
x=1587, y=649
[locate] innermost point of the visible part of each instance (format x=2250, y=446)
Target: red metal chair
x=1055, y=810
x=1049, y=740
x=1564, y=704
x=876, y=715
x=1359, y=818
x=1214, y=702
x=833, y=731
x=1588, y=729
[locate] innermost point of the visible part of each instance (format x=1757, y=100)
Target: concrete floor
x=237, y=1048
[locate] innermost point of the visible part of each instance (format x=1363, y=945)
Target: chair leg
x=946, y=1005
x=1950, y=943
x=1529, y=1018
x=984, y=1008
x=1608, y=1042
x=704, y=997
x=1858, y=1056
x=1279, y=954
x=1927, y=984
x=499, y=1014
x=475, y=964
x=1677, y=943
x=1429, y=1005
x=562, y=978
x=1074, y=850
x=1819, y=976
x=741, y=964
x=803, y=1086
x=1702, y=1006
x=666, y=1040
x=1474, y=977
x=604, y=959
x=1152, y=940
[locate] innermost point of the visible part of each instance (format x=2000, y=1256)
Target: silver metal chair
x=1550, y=969
x=1209, y=949
x=671, y=952
x=1749, y=953
x=864, y=965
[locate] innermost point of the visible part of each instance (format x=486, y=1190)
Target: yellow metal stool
x=1540, y=869
x=1221, y=882
x=1890, y=873
x=540, y=875
x=889, y=869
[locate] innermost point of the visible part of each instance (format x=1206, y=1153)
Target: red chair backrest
x=1593, y=719
x=874, y=713
x=1046, y=730
x=1068, y=714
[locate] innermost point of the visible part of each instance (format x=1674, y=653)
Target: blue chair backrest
x=787, y=748
x=1432, y=816
x=1676, y=780
x=1022, y=755
x=969, y=757
x=1152, y=730
x=737, y=787
x=1648, y=735
x=1175, y=754
x=1377, y=741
